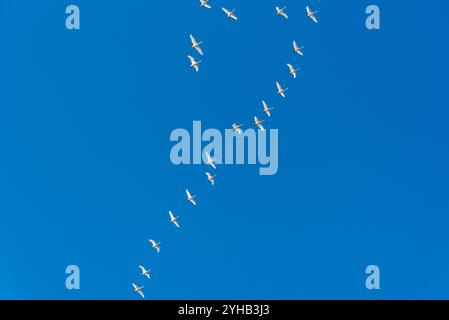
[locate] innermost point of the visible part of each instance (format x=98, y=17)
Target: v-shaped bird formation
x=237, y=128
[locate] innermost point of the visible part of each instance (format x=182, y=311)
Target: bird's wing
x=192, y=60
x=142, y=268
x=188, y=193
x=308, y=10
x=135, y=287
x=171, y=215
x=226, y=10
x=295, y=45
x=284, y=14
x=193, y=201
x=196, y=67
x=199, y=50
x=141, y=293
x=290, y=67
x=233, y=16
x=314, y=18
x=265, y=106
x=153, y=242
x=207, y=5
x=176, y=224
x=279, y=86
x=192, y=38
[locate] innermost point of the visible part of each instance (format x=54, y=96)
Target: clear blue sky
x=86, y=178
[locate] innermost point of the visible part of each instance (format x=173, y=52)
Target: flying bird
x=138, y=289
x=230, y=14
x=196, y=45
x=174, y=219
x=298, y=49
x=281, y=12
x=205, y=3
x=280, y=90
x=210, y=178
x=210, y=161
x=293, y=71
x=259, y=123
x=145, y=273
x=237, y=128
x=194, y=64
x=155, y=245
x=190, y=197
x=311, y=14
x=266, y=108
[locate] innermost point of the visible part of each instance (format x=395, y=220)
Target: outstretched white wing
x=188, y=194
x=172, y=217
x=192, y=38
x=192, y=60
x=141, y=293
x=278, y=85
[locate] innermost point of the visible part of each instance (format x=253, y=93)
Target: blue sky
x=86, y=178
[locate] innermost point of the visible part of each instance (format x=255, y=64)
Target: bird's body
x=280, y=90
x=293, y=71
x=266, y=108
x=139, y=290
x=196, y=45
x=190, y=197
x=194, y=64
x=281, y=12
x=311, y=14
x=205, y=4
x=210, y=161
x=210, y=178
x=229, y=13
x=298, y=49
x=145, y=273
x=237, y=128
x=259, y=123
x=173, y=219
x=155, y=245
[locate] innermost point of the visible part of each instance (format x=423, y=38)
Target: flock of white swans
x=230, y=14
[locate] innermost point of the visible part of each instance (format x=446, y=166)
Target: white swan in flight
x=280, y=90
x=298, y=49
x=210, y=178
x=259, y=123
x=155, y=245
x=237, y=128
x=293, y=71
x=230, y=14
x=266, y=108
x=190, y=197
x=311, y=14
x=210, y=161
x=138, y=289
x=145, y=273
x=205, y=3
x=173, y=219
x=196, y=45
x=194, y=64
x=281, y=12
